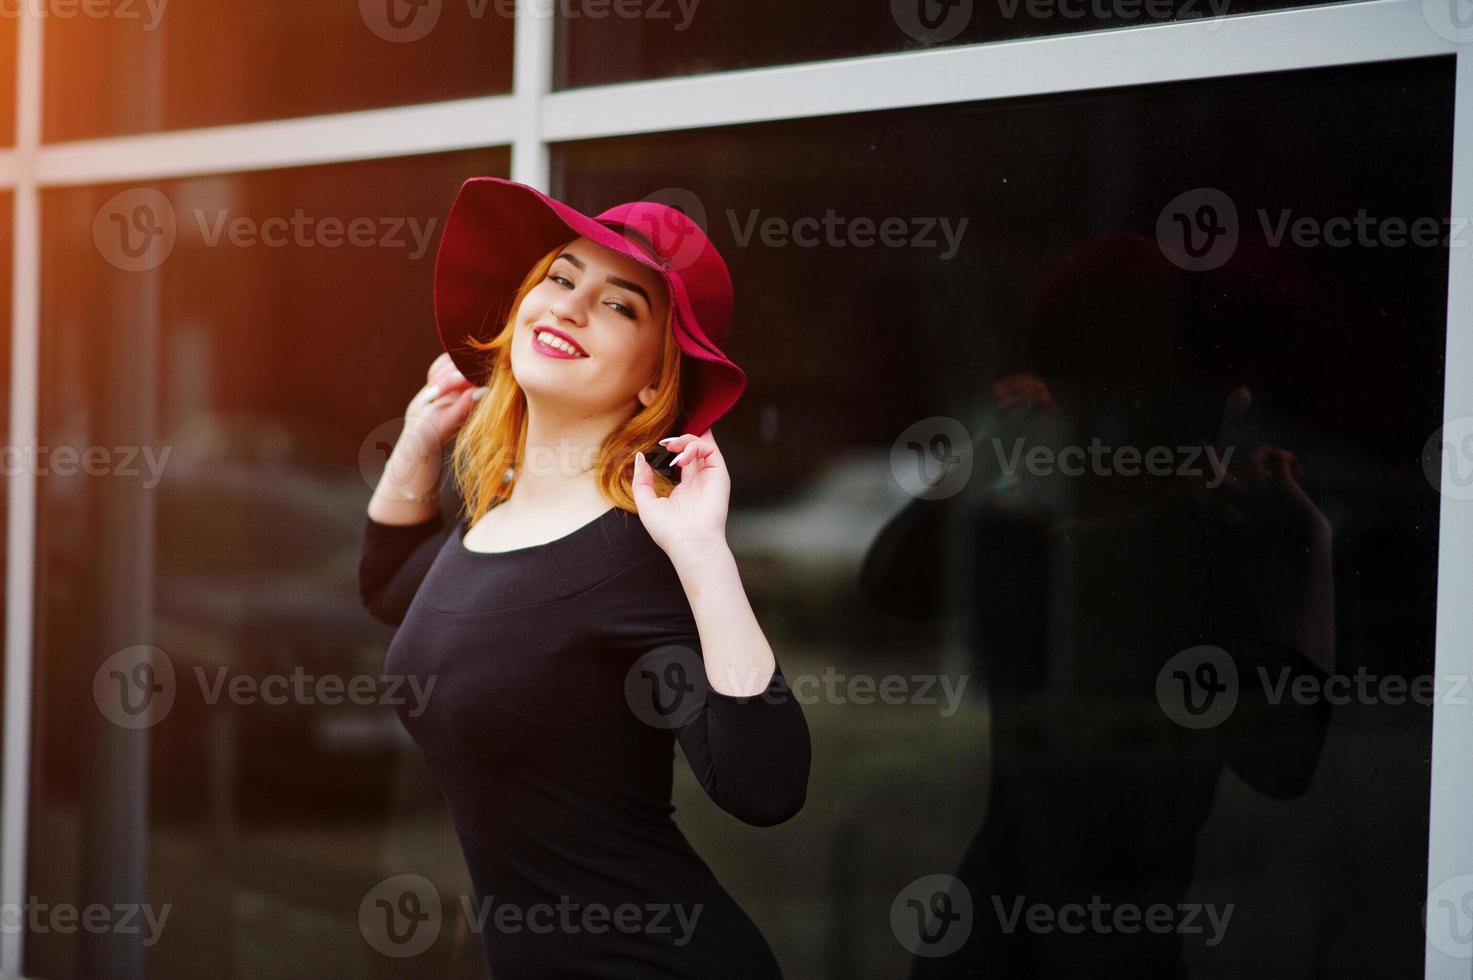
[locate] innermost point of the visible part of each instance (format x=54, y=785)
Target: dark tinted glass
x=211, y=742
x=604, y=41
x=151, y=65
x=1078, y=484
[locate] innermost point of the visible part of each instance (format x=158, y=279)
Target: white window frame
x=532, y=117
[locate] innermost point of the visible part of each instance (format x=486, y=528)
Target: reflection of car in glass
x=257, y=577
x=811, y=548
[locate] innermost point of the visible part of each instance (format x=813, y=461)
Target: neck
x=559, y=461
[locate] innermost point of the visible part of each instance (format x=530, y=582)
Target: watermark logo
x=1448, y=916
x=1105, y=918
x=403, y=21
x=91, y=460
x=932, y=458
x=135, y=229
x=1198, y=229
x=1106, y=460
x=134, y=688
x=679, y=243
x=1117, y=10
x=1363, y=230
x=137, y=688
x=401, y=915
x=834, y=688
x=666, y=688
x=835, y=230
x=414, y=467
x=932, y=21
x=1447, y=459
x=932, y=916
x=1198, y=688
x=123, y=919
x=153, y=10
x=1450, y=19
x=570, y=917
x=400, y=21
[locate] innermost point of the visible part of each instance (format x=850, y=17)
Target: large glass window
x=221, y=354
x=1080, y=485
x=606, y=41
x=115, y=68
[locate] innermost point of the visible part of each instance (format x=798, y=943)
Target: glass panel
x=227, y=372
x=149, y=66
x=1010, y=497
x=606, y=41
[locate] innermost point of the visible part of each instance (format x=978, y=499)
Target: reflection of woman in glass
x=584, y=612
x=1108, y=604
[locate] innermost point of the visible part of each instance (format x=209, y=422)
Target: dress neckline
x=464, y=529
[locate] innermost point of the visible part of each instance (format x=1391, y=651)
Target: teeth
x=553, y=340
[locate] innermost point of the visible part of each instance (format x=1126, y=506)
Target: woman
x=584, y=613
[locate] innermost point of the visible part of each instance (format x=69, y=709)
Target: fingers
x=445, y=374
x=689, y=448
x=643, y=484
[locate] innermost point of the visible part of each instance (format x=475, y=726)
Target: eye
x=560, y=279
x=622, y=308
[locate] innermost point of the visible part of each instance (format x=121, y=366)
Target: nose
x=568, y=306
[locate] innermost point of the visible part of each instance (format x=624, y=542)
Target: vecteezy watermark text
x=91, y=460
x=1201, y=686
x=125, y=918
x=1105, y=918
x=667, y=686
x=1113, y=460
x=136, y=230
x=401, y=916
x=91, y=9
x=834, y=230
x=136, y=688
x=1198, y=230
x=405, y=21
x=569, y=917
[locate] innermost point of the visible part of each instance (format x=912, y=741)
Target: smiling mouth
x=556, y=342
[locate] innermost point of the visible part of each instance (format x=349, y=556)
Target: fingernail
x=668, y=439
x=479, y=393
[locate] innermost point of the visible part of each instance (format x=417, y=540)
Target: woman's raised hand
x=443, y=404
x=407, y=489
x=694, y=514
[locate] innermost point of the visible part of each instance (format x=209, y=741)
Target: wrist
x=700, y=551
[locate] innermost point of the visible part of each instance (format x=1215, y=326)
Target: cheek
x=534, y=302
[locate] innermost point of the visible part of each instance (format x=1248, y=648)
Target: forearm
x=739, y=660
x=412, y=470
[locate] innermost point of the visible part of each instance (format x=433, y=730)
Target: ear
x=647, y=395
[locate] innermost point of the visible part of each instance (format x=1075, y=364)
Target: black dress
x=545, y=733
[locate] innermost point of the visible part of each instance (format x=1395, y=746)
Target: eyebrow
x=633, y=287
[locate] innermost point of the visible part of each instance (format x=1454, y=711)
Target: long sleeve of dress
x=752, y=755
x=393, y=560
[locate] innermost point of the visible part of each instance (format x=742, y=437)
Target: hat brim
x=495, y=231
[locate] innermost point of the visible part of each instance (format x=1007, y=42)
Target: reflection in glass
x=978, y=288
x=149, y=66
x=633, y=40
x=200, y=743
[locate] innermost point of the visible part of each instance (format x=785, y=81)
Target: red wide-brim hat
x=498, y=228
